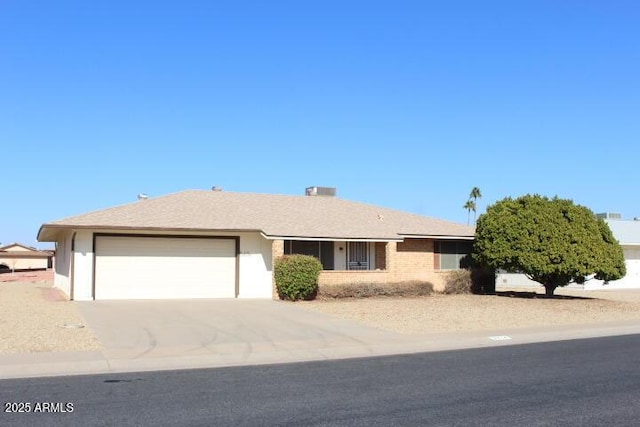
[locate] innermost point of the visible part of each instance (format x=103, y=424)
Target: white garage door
x=164, y=267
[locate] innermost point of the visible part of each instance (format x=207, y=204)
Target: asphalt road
x=594, y=382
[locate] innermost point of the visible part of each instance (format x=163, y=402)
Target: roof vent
x=609, y=215
x=320, y=191
x=142, y=196
x=216, y=188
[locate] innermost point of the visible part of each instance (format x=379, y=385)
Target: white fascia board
x=441, y=237
x=328, y=239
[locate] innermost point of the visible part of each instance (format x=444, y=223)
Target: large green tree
x=553, y=241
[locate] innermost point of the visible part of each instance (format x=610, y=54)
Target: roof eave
x=48, y=232
x=331, y=238
x=439, y=236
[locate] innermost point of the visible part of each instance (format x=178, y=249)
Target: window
x=321, y=250
x=452, y=253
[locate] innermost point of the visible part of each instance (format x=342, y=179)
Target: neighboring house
x=216, y=244
x=628, y=235
x=18, y=257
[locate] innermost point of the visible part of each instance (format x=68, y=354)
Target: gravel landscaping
x=34, y=317
x=515, y=309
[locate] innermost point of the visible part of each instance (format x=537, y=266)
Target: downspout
x=237, y=284
x=71, y=266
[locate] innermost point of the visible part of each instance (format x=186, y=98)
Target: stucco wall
x=255, y=266
x=62, y=264
x=83, y=266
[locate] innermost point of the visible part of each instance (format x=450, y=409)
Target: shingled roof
x=275, y=216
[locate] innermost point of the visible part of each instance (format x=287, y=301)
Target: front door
x=358, y=256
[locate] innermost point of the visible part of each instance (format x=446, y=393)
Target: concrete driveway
x=192, y=333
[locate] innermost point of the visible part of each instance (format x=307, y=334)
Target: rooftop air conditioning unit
x=320, y=191
x=609, y=215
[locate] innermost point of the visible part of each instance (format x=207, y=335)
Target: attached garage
x=162, y=267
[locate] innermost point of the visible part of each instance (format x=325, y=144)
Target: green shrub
x=297, y=277
x=369, y=290
x=458, y=282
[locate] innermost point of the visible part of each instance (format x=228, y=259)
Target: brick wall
x=338, y=277
x=414, y=255
x=277, y=250
x=415, y=245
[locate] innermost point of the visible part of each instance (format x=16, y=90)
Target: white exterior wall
x=519, y=280
x=630, y=281
x=254, y=263
x=83, y=266
x=255, y=266
x=515, y=280
x=62, y=264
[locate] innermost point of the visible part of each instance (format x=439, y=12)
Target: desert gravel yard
x=450, y=313
x=34, y=317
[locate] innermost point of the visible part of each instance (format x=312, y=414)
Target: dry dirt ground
x=509, y=309
x=34, y=317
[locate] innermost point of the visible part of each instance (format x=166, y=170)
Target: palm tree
x=475, y=195
x=470, y=206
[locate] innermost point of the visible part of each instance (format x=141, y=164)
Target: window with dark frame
x=322, y=250
x=452, y=253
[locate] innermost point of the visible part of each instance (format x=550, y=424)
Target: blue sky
x=404, y=104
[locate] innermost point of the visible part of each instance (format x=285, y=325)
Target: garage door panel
x=158, y=268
